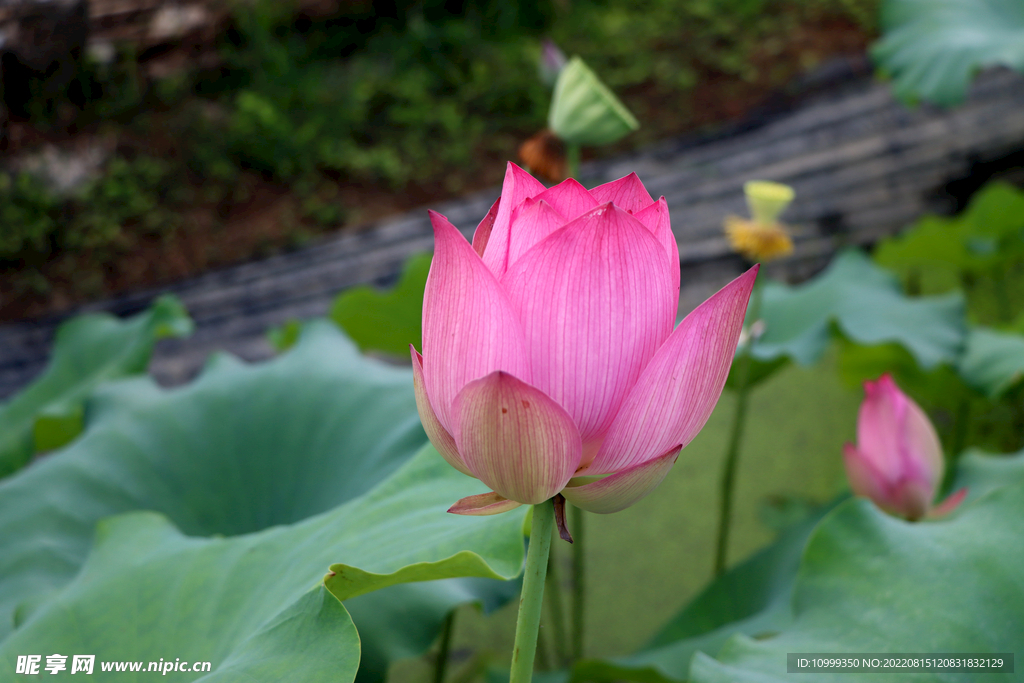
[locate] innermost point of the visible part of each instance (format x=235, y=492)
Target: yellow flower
x=763, y=237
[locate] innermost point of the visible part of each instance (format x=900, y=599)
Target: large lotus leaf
x=148, y=593
x=752, y=598
x=993, y=362
x=867, y=306
x=239, y=450
x=932, y=48
x=243, y=603
x=869, y=582
x=755, y=598
x=981, y=472
x=88, y=350
x=934, y=253
x=386, y=321
x=403, y=620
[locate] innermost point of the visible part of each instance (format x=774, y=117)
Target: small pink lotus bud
x=897, y=461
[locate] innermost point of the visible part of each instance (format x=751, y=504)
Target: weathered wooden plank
x=863, y=166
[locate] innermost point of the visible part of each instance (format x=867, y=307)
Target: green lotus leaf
x=584, y=111
x=752, y=598
x=867, y=306
x=274, y=464
x=386, y=321
x=243, y=603
x=828, y=574
x=993, y=362
x=980, y=472
x=936, y=250
x=87, y=351
x=932, y=48
x=869, y=582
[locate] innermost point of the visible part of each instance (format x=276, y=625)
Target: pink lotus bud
x=550, y=364
x=897, y=461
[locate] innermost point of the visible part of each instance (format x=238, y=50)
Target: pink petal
x=865, y=479
x=483, y=504
x=534, y=220
x=569, y=198
x=518, y=186
x=515, y=439
x=628, y=193
x=469, y=327
x=483, y=229
x=947, y=506
x=909, y=498
x=680, y=387
x=622, y=489
x=596, y=301
x=656, y=218
x=438, y=435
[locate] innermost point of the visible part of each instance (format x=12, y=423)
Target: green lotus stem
x=532, y=600
x=441, y=664
x=572, y=160
x=578, y=583
x=557, y=616
x=728, y=482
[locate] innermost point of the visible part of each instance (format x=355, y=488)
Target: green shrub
x=129, y=191
x=28, y=213
x=418, y=98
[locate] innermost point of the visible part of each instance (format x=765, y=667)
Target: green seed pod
x=767, y=200
x=584, y=111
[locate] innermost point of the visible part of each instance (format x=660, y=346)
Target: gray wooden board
x=862, y=164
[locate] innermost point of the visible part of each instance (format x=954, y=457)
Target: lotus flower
x=897, y=461
x=549, y=360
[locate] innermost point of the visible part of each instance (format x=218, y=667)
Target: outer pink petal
x=921, y=447
x=438, y=435
x=596, y=302
x=569, y=198
x=515, y=439
x=879, y=423
x=483, y=229
x=656, y=218
x=627, y=193
x=622, y=489
x=680, y=387
x=483, y=504
x=865, y=479
x=469, y=327
x=947, y=506
x=908, y=497
x=518, y=186
x=534, y=220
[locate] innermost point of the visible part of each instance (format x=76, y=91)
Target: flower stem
x=531, y=602
x=572, y=160
x=578, y=583
x=441, y=664
x=728, y=482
